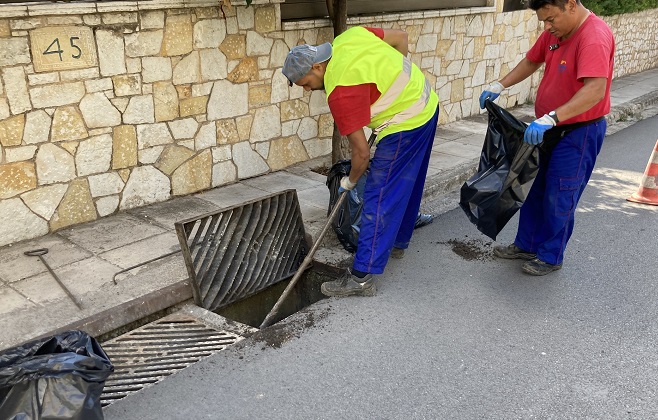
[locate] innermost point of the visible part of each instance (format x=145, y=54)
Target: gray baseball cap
x=301, y=58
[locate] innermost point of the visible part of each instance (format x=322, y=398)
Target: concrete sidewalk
x=86, y=257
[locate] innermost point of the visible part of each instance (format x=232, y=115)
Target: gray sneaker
x=512, y=252
x=537, y=267
x=349, y=285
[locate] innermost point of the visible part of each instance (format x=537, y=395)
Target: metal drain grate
x=151, y=353
x=234, y=253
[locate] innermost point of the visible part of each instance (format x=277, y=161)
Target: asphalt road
x=452, y=336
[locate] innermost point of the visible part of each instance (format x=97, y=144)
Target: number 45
x=59, y=50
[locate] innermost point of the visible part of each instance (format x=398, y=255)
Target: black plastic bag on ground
x=507, y=168
x=58, y=377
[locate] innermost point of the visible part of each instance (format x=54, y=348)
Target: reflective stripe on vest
x=387, y=99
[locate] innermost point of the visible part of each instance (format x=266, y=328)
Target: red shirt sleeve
x=377, y=31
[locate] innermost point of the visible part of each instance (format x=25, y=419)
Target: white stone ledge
x=48, y=8
x=388, y=17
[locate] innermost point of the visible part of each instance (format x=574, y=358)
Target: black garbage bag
x=347, y=221
x=58, y=377
x=507, y=168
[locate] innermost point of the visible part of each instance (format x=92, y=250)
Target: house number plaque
x=58, y=48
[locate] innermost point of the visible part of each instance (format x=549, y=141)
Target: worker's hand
x=534, y=134
x=491, y=93
x=346, y=184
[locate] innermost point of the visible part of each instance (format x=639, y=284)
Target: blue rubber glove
x=491, y=93
x=534, y=134
x=346, y=185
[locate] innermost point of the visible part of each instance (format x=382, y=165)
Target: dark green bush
x=616, y=7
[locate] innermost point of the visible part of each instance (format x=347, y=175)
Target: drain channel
x=157, y=350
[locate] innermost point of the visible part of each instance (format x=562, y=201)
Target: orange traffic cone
x=648, y=192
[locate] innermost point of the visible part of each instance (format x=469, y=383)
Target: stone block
x=67, y=125
x=146, y=185
x=107, y=205
x=223, y=173
x=76, y=207
x=178, y=35
x=218, y=105
x=193, y=106
x=111, y=52
x=165, y=99
x=259, y=95
x=16, y=178
x=54, y=165
x=124, y=147
x=140, y=110
x=244, y=126
x=19, y=223
x=44, y=200
x=105, y=184
x=193, y=175
x=267, y=124
x=249, y=162
x=11, y=131
x=14, y=51
x=172, y=157
x=16, y=154
x=209, y=33
x=294, y=110
x=128, y=84
x=183, y=129
x=213, y=65
x=16, y=90
x=285, y=152
x=257, y=44
x=234, y=47
x=187, y=70
x=98, y=111
x=206, y=137
x=149, y=135
x=155, y=69
x=265, y=19
x=144, y=43
x=57, y=95
x=245, y=71
x=93, y=156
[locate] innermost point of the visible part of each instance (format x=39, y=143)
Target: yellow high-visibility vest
x=407, y=100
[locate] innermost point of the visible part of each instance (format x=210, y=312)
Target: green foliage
x=616, y=7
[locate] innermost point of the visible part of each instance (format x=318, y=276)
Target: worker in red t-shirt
x=573, y=98
x=370, y=81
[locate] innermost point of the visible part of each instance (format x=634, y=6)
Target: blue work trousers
x=547, y=216
x=392, y=195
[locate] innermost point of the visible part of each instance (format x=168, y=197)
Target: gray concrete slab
x=281, y=181
x=167, y=213
x=110, y=232
x=144, y=250
x=232, y=195
x=14, y=265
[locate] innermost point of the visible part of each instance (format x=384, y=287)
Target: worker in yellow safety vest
x=369, y=81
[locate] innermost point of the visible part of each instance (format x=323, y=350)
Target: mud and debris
x=471, y=249
x=278, y=334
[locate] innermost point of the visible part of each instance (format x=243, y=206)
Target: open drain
x=155, y=351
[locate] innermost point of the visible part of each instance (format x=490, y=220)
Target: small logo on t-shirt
x=563, y=66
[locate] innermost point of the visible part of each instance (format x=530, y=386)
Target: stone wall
x=109, y=106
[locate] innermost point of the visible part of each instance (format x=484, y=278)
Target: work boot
x=512, y=252
x=537, y=267
x=397, y=253
x=423, y=219
x=349, y=285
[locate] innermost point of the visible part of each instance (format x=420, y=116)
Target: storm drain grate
x=151, y=353
x=234, y=253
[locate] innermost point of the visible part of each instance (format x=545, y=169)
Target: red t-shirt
x=350, y=105
x=587, y=53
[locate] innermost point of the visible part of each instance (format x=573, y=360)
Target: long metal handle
x=73, y=298
x=309, y=257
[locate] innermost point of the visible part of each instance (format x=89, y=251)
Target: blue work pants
x=547, y=216
x=392, y=195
